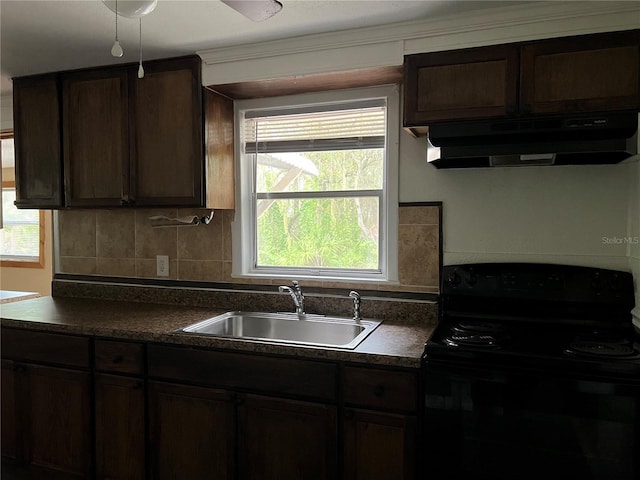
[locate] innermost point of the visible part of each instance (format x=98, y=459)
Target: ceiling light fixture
x=130, y=9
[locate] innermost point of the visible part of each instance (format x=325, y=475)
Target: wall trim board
x=386, y=45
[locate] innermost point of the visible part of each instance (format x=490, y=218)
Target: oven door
x=499, y=424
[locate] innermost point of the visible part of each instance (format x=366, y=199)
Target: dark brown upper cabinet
x=36, y=124
x=473, y=83
x=134, y=141
x=581, y=74
x=105, y=138
x=166, y=115
x=96, y=137
x=589, y=73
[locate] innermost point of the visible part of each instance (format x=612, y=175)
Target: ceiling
x=52, y=35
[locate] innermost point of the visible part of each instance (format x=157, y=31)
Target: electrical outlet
x=162, y=265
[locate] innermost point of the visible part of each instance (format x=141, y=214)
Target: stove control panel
x=530, y=281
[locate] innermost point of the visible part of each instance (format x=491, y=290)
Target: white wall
x=554, y=214
x=6, y=112
x=634, y=233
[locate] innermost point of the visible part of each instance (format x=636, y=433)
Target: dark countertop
x=393, y=343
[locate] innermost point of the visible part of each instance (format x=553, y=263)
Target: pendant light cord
x=140, y=68
x=116, y=20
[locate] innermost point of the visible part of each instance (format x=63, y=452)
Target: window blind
x=299, y=131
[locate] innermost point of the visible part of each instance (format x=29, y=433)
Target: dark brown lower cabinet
x=191, y=432
x=46, y=420
x=120, y=427
x=281, y=439
x=243, y=417
x=9, y=441
x=379, y=446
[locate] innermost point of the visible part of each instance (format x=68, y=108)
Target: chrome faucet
x=356, y=305
x=296, y=295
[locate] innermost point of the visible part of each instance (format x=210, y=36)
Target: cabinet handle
x=378, y=390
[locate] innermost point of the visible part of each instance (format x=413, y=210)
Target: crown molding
x=608, y=16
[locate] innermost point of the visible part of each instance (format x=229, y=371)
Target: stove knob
x=614, y=285
x=454, y=279
x=472, y=278
x=596, y=284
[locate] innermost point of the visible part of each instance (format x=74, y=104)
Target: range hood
x=567, y=140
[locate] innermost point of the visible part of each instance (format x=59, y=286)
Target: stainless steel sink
x=286, y=328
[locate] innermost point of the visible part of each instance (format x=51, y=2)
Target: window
x=318, y=186
x=22, y=233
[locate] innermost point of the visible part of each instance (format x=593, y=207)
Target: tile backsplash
x=123, y=243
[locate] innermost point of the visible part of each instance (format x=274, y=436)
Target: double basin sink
x=305, y=329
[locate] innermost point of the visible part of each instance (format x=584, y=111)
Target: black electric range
x=533, y=369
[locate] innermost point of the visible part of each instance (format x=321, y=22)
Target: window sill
x=16, y=263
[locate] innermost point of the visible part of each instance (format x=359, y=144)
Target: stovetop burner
x=476, y=334
x=609, y=350
x=552, y=317
x=472, y=340
x=479, y=327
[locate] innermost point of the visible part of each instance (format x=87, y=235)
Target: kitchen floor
x=11, y=472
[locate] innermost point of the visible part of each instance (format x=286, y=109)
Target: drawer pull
x=378, y=390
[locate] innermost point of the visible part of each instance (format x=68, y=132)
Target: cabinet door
x=286, y=440
x=167, y=113
x=96, y=138
x=191, y=432
x=58, y=420
x=120, y=438
x=38, y=155
x=462, y=84
x=379, y=446
x=582, y=74
x=10, y=441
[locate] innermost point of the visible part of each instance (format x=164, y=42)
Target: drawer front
x=43, y=347
x=376, y=388
x=256, y=373
x=119, y=357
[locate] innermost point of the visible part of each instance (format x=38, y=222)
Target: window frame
x=244, y=242
x=8, y=135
